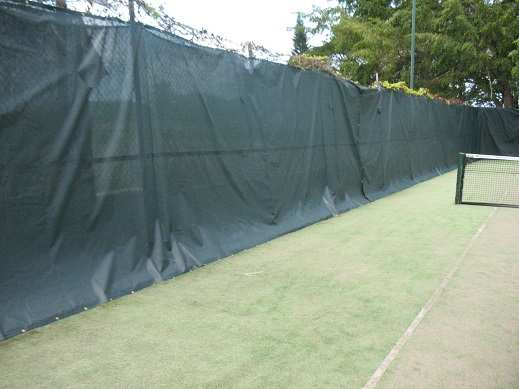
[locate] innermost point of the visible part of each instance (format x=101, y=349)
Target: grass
x=320, y=307
x=470, y=339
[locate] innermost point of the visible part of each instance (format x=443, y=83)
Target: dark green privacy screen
x=128, y=156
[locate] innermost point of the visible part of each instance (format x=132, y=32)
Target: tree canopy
x=465, y=49
x=300, y=39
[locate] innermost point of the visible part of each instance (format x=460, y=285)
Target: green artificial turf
x=316, y=308
x=470, y=338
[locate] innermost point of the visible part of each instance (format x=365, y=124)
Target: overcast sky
x=262, y=21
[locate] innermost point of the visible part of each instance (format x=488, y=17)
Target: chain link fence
x=154, y=14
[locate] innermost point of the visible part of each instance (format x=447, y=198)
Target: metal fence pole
x=413, y=44
x=145, y=146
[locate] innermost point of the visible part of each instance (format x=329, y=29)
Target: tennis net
x=488, y=180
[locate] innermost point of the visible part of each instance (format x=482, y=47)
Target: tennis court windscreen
x=488, y=180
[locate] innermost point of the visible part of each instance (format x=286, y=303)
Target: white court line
x=381, y=369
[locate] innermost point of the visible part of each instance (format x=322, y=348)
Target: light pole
x=413, y=43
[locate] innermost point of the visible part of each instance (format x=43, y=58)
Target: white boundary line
x=381, y=369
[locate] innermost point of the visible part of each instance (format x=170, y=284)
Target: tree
x=300, y=39
x=466, y=49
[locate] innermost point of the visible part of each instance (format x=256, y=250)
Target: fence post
x=459, y=180
x=145, y=143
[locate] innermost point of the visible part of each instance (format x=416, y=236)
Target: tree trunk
x=508, y=97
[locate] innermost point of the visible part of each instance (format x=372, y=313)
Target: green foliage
x=372, y=47
x=402, y=87
x=321, y=63
x=300, y=39
x=466, y=49
x=514, y=56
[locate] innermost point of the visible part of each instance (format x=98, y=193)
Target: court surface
x=470, y=339
x=318, y=308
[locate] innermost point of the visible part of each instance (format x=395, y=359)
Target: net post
x=459, y=180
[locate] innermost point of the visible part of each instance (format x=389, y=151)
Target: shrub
x=313, y=62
